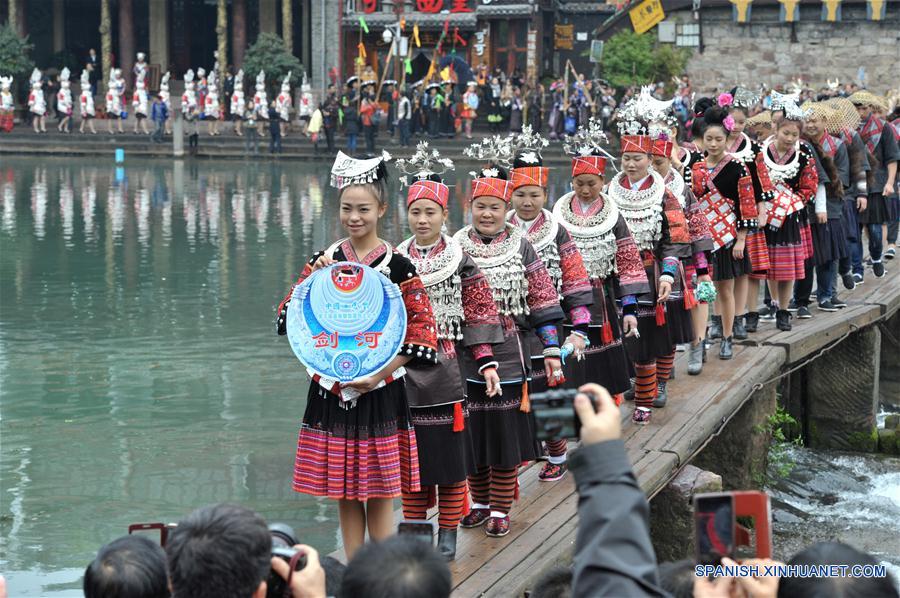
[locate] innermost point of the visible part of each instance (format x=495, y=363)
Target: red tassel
x=618, y=397
x=606, y=334
x=459, y=423
x=525, y=405
x=432, y=497
x=660, y=314
x=690, y=302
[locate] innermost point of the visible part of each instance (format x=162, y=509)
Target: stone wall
x=326, y=39
x=766, y=51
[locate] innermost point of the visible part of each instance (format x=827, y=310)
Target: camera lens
x=283, y=535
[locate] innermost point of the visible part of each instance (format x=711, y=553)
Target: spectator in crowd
x=274, y=130
x=94, y=69
x=835, y=553
x=132, y=566
x=159, y=114
x=556, y=583
x=330, y=116
x=399, y=567
x=404, y=118
x=536, y=108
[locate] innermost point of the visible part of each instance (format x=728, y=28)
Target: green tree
x=15, y=58
x=632, y=59
x=271, y=55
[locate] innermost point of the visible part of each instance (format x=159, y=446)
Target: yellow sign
x=563, y=36
x=646, y=15
x=789, y=10
x=831, y=10
x=741, y=10
x=875, y=9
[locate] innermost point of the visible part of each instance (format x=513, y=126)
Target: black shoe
x=446, y=543
x=848, y=281
x=737, y=329
x=726, y=350
x=751, y=321
x=827, y=305
x=858, y=279
x=878, y=269
x=661, y=395
x=628, y=395
x=715, y=328
x=890, y=253
x=792, y=306
x=803, y=313
x=783, y=320
x=838, y=303
x=767, y=313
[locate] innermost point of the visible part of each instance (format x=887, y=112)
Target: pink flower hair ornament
x=728, y=123
x=725, y=99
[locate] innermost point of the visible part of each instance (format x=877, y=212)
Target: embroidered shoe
x=641, y=416
x=497, y=527
x=552, y=472
x=475, y=518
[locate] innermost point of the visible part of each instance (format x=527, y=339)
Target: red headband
x=436, y=192
x=491, y=187
x=636, y=143
x=661, y=147
x=529, y=175
x=588, y=165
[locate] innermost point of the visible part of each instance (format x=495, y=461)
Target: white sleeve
x=820, y=199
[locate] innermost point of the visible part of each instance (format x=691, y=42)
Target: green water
x=140, y=376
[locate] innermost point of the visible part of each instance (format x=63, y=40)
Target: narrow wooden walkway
x=544, y=520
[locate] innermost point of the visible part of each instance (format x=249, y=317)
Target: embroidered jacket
x=466, y=318
x=698, y=227
x=749, y=152
x=733, y=182
x=805, y=181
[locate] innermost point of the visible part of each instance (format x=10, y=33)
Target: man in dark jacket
x=159, y=114
x=274, y=130
x=613, y=553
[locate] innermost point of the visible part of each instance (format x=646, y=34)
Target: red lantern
x=430, y=6
x=369, y=6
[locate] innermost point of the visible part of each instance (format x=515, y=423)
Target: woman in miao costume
x=467, y=321
x=362, y=452
x=662, y=151
x=724, y=188
x=749, y=152
x=792, y=169
x=528, y=304
x=658, y=224
x=612, y=261
x=558, y=252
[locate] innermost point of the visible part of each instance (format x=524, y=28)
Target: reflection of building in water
x=213, y=201
x=8, y=195
x=189, y=209
x=238, y=210
x=115, y=207
x=67, y=206
x=260, y=208
x=284, y=206
x=312, y=211
x=88, y=204
x=39, y=201
x=142, y=210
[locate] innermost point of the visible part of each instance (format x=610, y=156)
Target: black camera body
x=283, y=541
x=554, y=414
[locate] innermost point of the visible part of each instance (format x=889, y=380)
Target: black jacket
x=613, y=553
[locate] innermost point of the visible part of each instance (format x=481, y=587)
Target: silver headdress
x=528, y=145
x=780, y=99
x=744, y=98
x=589, y=141
x=794, y=112
x=495, y=149
x=352, y=171
x=422, y=164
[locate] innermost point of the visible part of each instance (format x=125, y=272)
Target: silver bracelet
x=667, y=278
x=490, y=364
x=552, y=352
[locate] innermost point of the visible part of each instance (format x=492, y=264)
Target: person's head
x=331, y=89
x=399, y=567
x=815, y=124
x=92, y=52
x=220, y=551
x=587, y=177
x=835, y=553
x=715, y=131
x=555, y=583
x=132, y=566
x=636, y=165
x=865, y=110
x=739, y=117
x=361, y=206
x=529, y=182
x=426, y=209
x=677, y=578
x=787, y=133
x=661, y=155
x=491, y=192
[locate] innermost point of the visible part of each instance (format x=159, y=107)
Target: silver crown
x=422, y=164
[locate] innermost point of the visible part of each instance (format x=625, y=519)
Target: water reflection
x=140, y=376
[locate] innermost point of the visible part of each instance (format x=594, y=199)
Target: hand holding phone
x=600, y=420
x=421, y=530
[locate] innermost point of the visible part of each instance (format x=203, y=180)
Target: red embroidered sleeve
x=698, y=178
x=541, y=290
x=747, y=201
x=478, y=304
x=574, y=275
x=481, y=351
x=628, y=263
x=420, y=325
x=766, y=189
x=675, y=219
x=809, y=180
x=698, y=225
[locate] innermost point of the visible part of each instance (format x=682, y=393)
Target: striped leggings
x=648, y=375
x=494, y=486
x=450, y=504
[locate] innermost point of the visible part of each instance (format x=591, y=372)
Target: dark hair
x=677, y=578
x=555, y=583
x=715, y=117
x=220, y=551
x=702, y=105
x=835, y=553
x=835, y=186
x=132, y=566
x=399, y=567
x=501, y=172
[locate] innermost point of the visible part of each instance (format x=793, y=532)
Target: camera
x=554, y=414
x=283, y=541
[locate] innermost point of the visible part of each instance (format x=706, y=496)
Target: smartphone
x=714, y=527
x=152, y=528
x=421, y=530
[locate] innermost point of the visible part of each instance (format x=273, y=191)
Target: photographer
x=132, y=566
x=613, y=553
x=398, y=567
x=224, y=551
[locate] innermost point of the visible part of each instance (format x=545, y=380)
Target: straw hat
x=866, y=98
x=844, y=115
